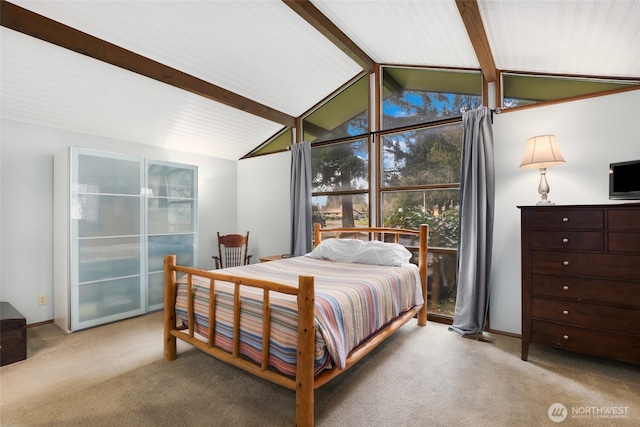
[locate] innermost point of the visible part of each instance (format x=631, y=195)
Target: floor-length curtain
x=477, y=194
x=300, y=198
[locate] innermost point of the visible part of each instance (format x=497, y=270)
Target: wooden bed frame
x=305, y=381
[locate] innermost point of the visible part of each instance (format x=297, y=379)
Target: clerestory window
x=527, y=89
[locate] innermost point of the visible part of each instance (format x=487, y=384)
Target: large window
x=419, y=168
x=412, y=176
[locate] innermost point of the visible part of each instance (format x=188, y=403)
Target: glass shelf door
x=107, y=242
x=172, y=222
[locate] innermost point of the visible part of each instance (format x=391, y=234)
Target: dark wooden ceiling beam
x=320, y=22
x=32, y=24
x=470, y=13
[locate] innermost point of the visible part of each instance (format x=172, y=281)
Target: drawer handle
x=566, y=337
x=565, y=219
x=565, y=312
x=565, y=262
x=565, y=240
x=565, y=288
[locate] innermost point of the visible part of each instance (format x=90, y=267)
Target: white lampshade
x=541, y=152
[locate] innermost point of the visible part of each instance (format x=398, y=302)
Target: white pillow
x=338, y=250
x=381, y=253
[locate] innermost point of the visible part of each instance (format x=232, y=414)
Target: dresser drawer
x=605, y=344
x=620, y=241
x=572, y=240
x=605, y=291
x=623, y=219
x=587, y=315
x=567, y=219
x=586, y=265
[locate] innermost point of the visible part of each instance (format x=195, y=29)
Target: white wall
x=264, y=203
x=26, y=207
x=591, y=134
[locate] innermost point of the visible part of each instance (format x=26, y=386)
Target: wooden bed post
x=170, y=349
x=422, y=266
x=317, y=236
x=306, y=352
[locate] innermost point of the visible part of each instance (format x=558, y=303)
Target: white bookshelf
x=115, y=218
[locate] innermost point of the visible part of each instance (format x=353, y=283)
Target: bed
x=301, y=321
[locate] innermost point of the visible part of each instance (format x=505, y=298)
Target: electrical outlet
x=42, y=300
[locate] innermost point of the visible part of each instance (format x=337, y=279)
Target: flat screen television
x=624, y=180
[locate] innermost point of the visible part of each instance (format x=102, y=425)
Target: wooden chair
x=232, y=250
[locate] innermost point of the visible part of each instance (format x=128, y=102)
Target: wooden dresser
x=581, y=279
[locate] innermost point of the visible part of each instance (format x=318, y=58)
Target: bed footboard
x=303, y=384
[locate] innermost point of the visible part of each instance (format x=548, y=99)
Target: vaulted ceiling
x=218, y=78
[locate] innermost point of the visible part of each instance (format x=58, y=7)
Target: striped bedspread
x=352, y=301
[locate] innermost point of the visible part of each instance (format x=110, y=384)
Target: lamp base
x=543, y=189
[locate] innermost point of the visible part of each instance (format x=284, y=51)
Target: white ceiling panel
x=51, y=86
x=427, y=33
x=600, y=38
x=261, y=50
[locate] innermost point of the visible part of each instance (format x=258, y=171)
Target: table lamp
x=542, y=152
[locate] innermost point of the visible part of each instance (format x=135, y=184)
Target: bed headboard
x=402, y=236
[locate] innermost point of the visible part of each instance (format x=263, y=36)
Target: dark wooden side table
x=13, y=335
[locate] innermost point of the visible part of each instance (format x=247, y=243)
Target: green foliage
x=443, y=229
x=423, y=156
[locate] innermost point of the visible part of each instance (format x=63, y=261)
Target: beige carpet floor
x=114, y=375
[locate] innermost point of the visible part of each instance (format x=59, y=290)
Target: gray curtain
x=300, y=198
x=477, y=194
